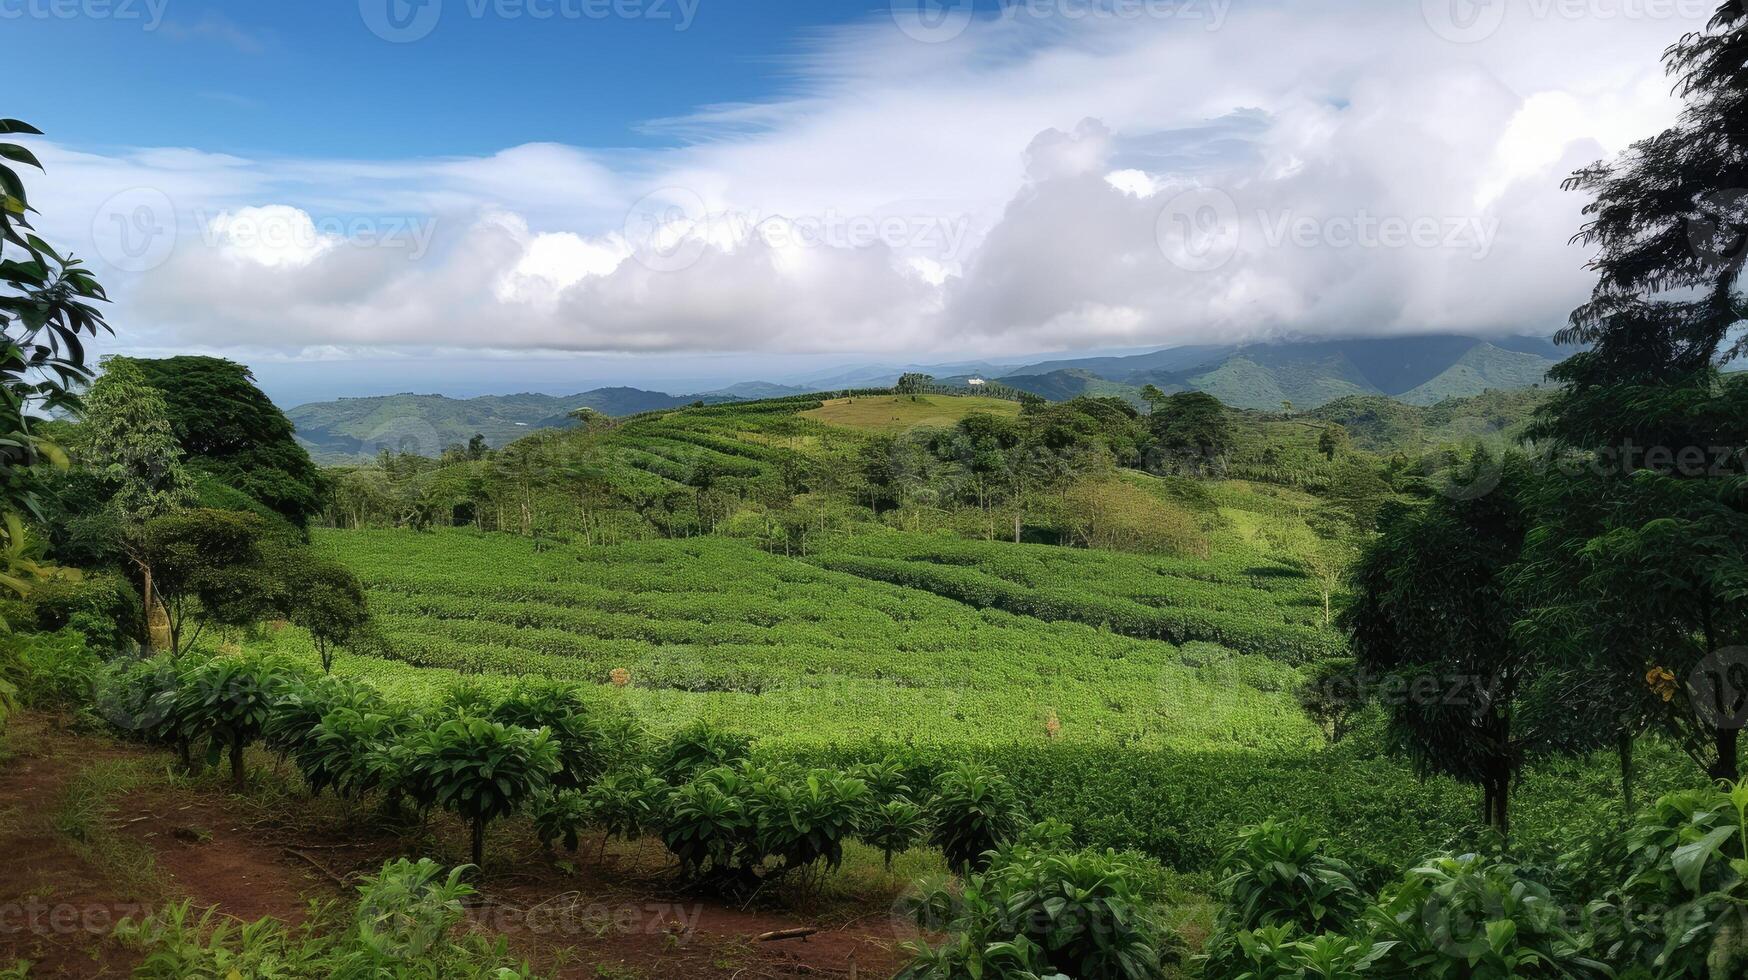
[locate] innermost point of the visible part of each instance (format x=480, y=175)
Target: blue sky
x=272, y=77
x=477, y=198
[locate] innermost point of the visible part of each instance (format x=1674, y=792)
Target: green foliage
x=481, y=770
x=1435, y=613
x=1040, y=912
x=1277, y=882
x=227, y=702
x=973, y=811
x=324, y=597
x=208, y=568
x=894, y=826
x=628, y=805
x=560, y=816
x=1191, y=434
x=699, y=748
x=806, y=821
x=348, y=751
x=583, y=745
x=1470, y=917
x=51, y=670
x=125, y=438
x=231, y=430
x=404, y=926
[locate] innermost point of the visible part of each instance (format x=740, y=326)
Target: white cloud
x=1007, y=188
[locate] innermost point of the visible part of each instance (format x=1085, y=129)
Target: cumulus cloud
x=1030, y=182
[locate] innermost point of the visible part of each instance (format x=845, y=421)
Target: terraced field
x=801, y=654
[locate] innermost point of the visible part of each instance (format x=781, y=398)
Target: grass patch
x=83, y=813
x=896, y=413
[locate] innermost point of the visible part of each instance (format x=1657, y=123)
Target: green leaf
x=1689, y=860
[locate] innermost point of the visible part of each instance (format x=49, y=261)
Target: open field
x=896, y=413
x=1164, y=747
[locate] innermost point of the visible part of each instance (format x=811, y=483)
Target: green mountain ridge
x=1418, y=370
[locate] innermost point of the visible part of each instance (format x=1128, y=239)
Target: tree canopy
x=230, y=429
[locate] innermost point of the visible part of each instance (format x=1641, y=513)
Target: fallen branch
x=782, y=934
x=319, y=866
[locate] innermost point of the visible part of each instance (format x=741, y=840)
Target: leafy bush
x=805, y=821
x=480, y=769
x=710, y=825
x=973, y=811
x=581, y=743
x=347, y=752
x=228, y=702
x=560, y=816
x=1682, y=882
x=1277, y=874
x=894, y=827
x=1468, y=917
x=628, y=805
x=697, y=749
x=53, y=670
x=301, y=703
x=1040, y=912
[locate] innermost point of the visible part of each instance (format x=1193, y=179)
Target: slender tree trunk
x=1626, y=753
x=1724, y=739
x=1016, y=527
x=479, y=843
x=237, y=772
x=146, y=575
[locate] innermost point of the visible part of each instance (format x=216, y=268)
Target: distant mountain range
x=1416, y=370
x=1419, y=371
x=427, y=424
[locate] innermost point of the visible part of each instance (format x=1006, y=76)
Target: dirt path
x=73, y=869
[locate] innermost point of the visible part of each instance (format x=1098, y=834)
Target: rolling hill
x=426, y=424
x=1418, y=370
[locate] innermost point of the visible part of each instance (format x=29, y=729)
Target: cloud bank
x=1027, y=181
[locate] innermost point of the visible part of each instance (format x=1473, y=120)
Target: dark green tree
x=1191, y=434
x=1433, y=620
x=322, y=596
x=209, y=570
x=231, y=430
x=1635, y=572
x=913, y=384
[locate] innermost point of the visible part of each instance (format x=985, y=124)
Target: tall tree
x=1191, y=434
x=231, y=430
x=325, y=598
x=1434, y=616
x=47, y=309
x=1641, y=539
x=126, y=439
